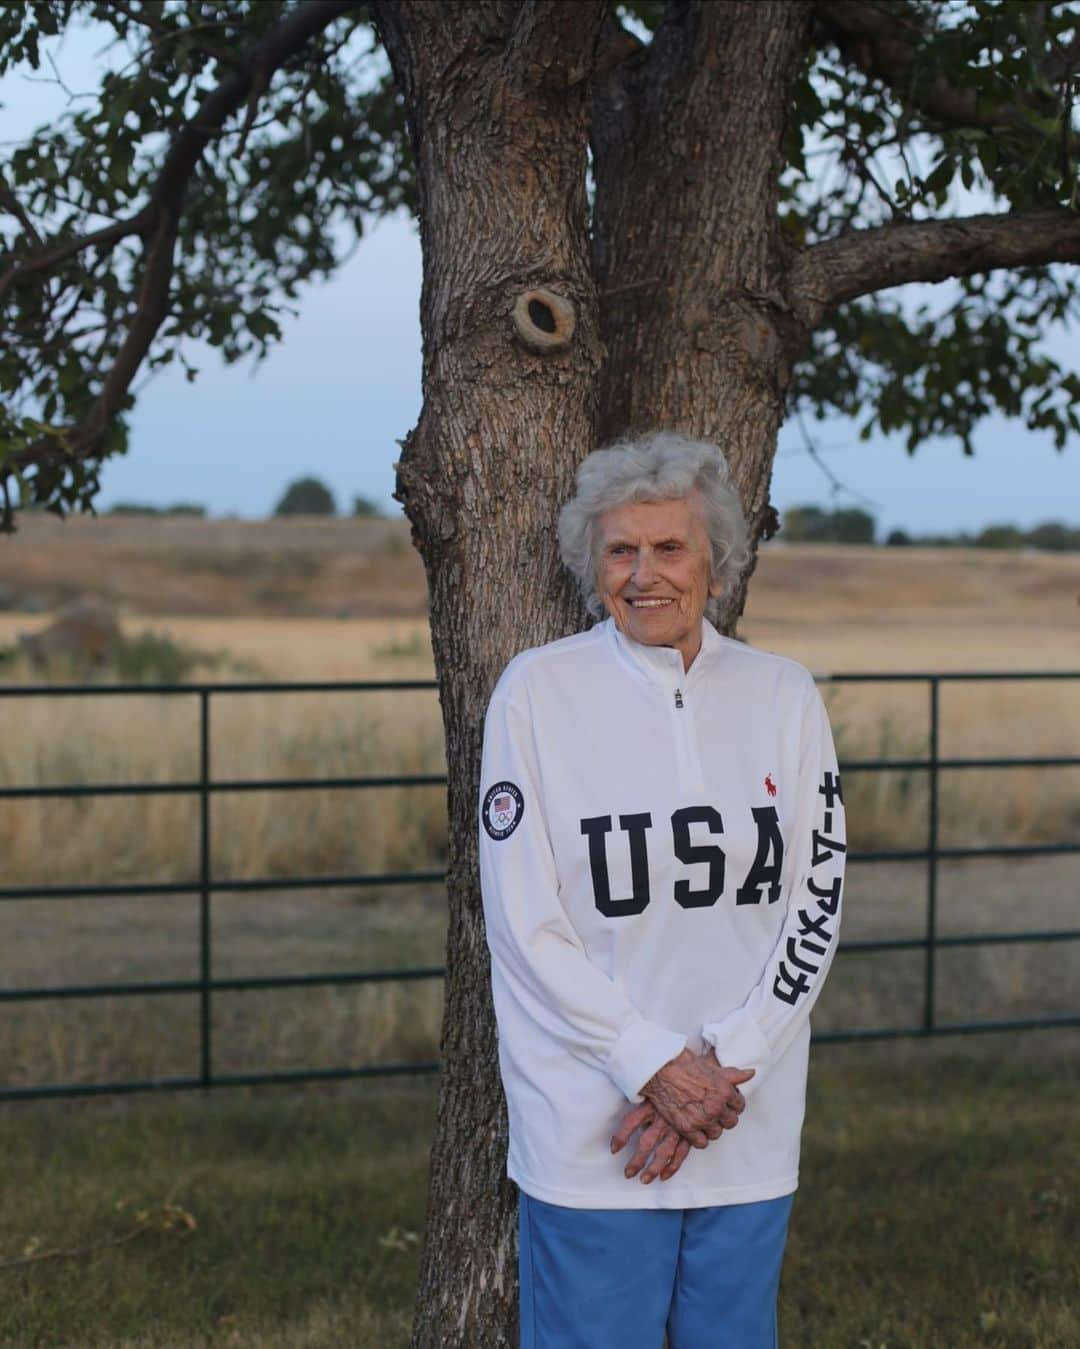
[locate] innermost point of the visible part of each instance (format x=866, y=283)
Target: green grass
x=305, y=1207
x=938, y=1207
x=938, y=1204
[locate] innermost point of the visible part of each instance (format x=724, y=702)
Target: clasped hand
x=688, y=1103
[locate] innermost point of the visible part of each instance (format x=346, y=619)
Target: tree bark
x=700, y=335
x=691, y=266
x=496, y=100
x=861, y=261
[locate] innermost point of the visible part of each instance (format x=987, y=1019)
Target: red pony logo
x=770, y=786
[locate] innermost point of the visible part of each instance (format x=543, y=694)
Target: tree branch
x=158, y=224
x=15, y=208
x=51, y=254
x=884, y=43
x=144, y=18
x=862, y=261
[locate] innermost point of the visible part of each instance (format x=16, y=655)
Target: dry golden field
x=357, y=615
x=179, y=565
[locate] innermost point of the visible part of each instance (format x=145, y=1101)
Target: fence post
x=206, y=1062
x=932, y=858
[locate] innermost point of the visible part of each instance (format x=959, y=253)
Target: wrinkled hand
x=660, y=1144
x=697, y=1097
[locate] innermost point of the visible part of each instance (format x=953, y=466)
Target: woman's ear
x=716, y=589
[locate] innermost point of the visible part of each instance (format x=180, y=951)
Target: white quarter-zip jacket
x=661, y=860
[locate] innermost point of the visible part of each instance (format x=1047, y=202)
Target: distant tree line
x=140, y=508
x=1050, y=537
x=801, y=524
x=815, y=524
x=305, y=496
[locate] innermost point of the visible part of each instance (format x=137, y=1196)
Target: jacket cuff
x=639, y=1052
x=739, y=1042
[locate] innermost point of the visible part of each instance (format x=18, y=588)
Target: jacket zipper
x=686, y=751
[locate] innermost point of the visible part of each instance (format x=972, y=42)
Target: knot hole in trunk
x=543, y=321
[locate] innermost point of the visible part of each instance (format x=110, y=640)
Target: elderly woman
x=661, y=853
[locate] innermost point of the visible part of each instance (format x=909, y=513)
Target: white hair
x=656, y=466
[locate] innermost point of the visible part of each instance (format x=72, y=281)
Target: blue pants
x=620, y=1278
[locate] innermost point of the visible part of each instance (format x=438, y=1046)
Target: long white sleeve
x=756, y=1034
x=540, y=970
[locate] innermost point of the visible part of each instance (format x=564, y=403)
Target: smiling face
x=653, y=569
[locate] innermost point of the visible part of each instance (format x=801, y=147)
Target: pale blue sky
x=344, y=386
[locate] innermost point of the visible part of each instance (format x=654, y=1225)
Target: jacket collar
x=663, y=664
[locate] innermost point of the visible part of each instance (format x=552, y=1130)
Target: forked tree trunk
x=687, y=250
x=518, y=388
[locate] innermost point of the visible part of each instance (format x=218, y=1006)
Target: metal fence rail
x=205, y=787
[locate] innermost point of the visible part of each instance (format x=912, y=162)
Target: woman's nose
x=644, y=572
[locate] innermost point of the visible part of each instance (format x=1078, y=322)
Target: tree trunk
x=687, y=250
x=496, y=99
x=517, y=389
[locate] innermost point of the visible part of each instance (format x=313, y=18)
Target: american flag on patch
x=502, y=803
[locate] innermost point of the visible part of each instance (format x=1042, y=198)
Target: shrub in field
x=151, y=658
x=1053, y=537
x=999, y=536
x=146, y=658
x=306, y=496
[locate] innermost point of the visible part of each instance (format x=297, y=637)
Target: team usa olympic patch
x=503, y=808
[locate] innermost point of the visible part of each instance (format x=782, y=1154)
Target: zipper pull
x=678, y=699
